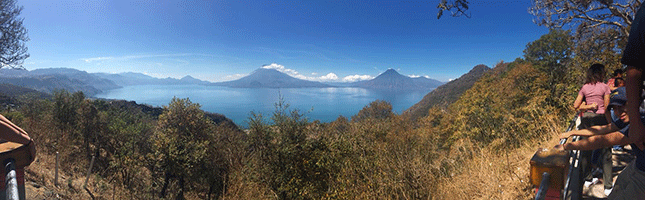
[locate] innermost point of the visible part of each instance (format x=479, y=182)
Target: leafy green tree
x=13, y=35
x=181, y=144
x=35, y=107
x=91, y=127
x=290, y=159
x=552, y=54
x=128, y=142
x=378, y=110
x=65, y=108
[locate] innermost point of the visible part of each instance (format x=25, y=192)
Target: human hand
x=559, y=147
x=565, y=135
x=594, y=106
x=583, y=106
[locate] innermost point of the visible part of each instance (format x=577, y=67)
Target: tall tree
x=552, y=54
x=586, y=14
x=13, y=51
x=551, y=51
x=182, y=142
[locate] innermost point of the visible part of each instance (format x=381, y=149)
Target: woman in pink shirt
x=596, y=96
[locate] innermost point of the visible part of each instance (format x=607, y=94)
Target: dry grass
x=494, y=176
x=40, y=176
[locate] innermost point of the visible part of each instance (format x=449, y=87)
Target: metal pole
x=544, y=186
x=11, y=181
x=56, y=172
x=89, y=172
x=573, y=163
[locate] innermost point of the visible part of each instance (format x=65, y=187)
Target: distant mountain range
x=447, y=93
x=131, y=78
x=388, y=80
x=392, y=80
x=270, y=78
x=52, y=79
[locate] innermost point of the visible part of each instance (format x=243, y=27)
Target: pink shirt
x=595, y=93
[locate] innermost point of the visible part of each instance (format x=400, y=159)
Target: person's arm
x=633, y=86
x=584, y=107
x=591, y=131
x=606, y=101
x=611, y=87
x=596, y=142
x=578, y=104
x=612, y=84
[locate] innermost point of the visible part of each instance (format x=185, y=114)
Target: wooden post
x=89, y=172
x=56, y=171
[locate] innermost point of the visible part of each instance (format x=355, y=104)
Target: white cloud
x=128, y=57
x=417, y=76
x=291, y=72
x=354, y=78
x=282, y=69
x=329, y=77
x=89, y=60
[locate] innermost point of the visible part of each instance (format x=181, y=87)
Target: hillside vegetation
x=446, y=94
x=477, y=147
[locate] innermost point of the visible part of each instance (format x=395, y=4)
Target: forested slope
x=447, y=93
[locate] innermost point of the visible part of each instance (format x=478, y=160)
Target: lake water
x=324, y=104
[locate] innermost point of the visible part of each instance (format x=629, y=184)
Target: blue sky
x=315, y=40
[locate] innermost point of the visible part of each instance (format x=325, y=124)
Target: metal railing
x=573, y=164
x=11, y=180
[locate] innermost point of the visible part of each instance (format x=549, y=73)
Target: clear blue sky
x=224, y=40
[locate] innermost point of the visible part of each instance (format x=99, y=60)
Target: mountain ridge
x=446, y=93
x=392, y=80
x=270, y=78
x=52, y=79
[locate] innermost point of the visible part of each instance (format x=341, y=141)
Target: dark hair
x=617, y=71
x=595, y=73
x=618, y=80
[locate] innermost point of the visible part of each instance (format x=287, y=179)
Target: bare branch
x=614, y=14
x=456, y=7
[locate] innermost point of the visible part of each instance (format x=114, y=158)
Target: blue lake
x=324, y=104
